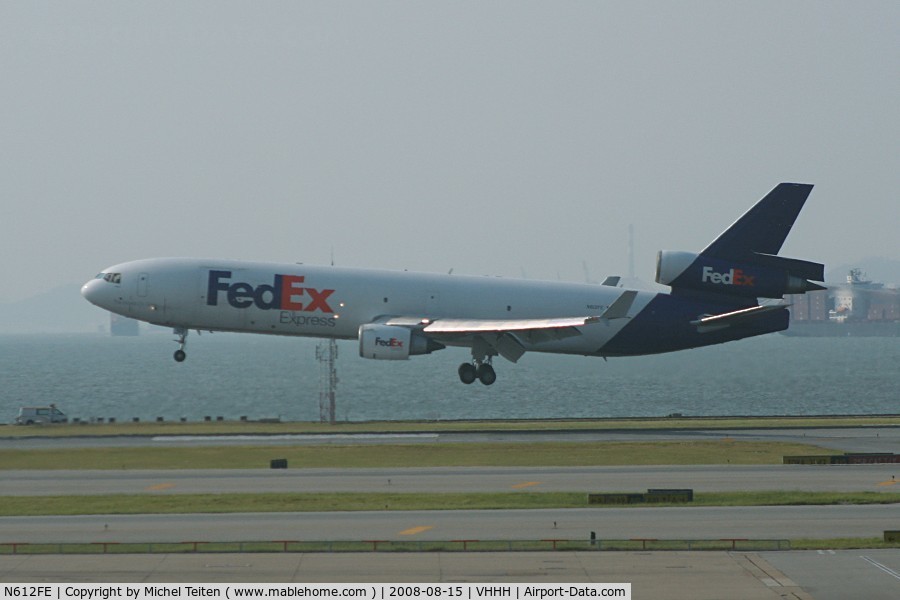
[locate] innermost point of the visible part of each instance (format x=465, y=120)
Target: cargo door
x=143, y=284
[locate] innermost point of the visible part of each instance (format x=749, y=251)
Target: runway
x=687, y=575
x=841, y=439
x=700, y=478
x=819, y=575
x=759, y=522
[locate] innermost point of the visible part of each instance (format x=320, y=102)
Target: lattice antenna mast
x=326, y=354
x=631, y=251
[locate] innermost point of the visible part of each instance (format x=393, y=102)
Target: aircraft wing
x=505, y=336
x=501, y=325
x=498, y=336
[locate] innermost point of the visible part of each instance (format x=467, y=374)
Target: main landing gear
x=480, y=368
x=180, y=354
x=483, y=372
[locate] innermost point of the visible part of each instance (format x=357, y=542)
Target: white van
x=31, y=415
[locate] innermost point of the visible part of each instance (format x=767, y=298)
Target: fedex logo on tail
x=287, y=292
x=732, y=277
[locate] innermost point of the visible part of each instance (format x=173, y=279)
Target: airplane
x=393, y=315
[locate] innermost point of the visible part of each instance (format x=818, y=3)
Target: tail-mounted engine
x=758, y=276
x=391, y=342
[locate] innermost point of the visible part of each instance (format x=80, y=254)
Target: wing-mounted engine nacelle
x=759, y=276
x=391, y=342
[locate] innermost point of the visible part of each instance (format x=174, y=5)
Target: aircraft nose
x=93, y=291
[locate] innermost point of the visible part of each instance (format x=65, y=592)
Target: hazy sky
x=489, y=137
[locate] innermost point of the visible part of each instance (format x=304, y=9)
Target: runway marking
x=313, y=437
x=415, y=530
x=159, y=487
x=526, y=484
x=888, y=482
x=884, y=568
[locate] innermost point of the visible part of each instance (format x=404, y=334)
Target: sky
x=502, y=138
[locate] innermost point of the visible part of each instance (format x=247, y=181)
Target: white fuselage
x=316, y=301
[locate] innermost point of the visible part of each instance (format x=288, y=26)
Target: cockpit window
x=110, y=277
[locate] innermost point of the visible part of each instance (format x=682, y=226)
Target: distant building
x=859, y=308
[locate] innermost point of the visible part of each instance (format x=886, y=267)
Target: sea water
x=91, y=376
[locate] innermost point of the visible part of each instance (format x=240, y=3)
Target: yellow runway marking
x=415, y=530
x=891, y=482
x=519, y=486
x=160, y=487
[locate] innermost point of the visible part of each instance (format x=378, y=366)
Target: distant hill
x=60, y=310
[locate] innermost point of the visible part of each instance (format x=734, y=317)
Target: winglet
x=619, y=309
x=612, y=281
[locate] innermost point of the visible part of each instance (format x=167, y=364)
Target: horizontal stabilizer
x=715, y=322
x=804, y=269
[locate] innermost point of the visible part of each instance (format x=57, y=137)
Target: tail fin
x=763, y=228
x=742, y=262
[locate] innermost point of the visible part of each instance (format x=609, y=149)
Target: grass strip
x=476, y=454
x=325, y=502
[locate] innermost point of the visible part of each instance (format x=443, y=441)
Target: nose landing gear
x=180, y=354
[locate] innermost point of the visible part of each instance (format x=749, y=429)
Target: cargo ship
x=857, y=308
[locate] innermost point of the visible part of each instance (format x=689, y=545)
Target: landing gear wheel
x=181, y=332
x=467, y=373
x=486, y=374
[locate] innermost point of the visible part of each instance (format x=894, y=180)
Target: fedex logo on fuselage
x=732, y=277
x=287, y=292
